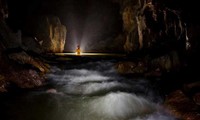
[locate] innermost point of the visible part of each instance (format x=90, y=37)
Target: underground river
x=86, y=91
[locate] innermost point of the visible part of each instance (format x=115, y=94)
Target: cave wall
x=17, y=66
x=159, y=24
x=151, y=25
x=158, y=31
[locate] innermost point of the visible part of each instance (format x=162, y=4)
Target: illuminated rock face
x=46, y=34
x=56, y=35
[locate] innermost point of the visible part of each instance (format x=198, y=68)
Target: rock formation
x=154, y=32
x=48, y=34
x=149, y=25
x=181, y=106
x=17, y=67
x=57, y=35
x=20, y=63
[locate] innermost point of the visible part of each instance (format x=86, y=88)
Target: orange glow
x=78, y=50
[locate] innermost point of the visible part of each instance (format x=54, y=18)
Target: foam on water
x=93, y=88
x=101, y=95
x=79, y=76
x=121, y=105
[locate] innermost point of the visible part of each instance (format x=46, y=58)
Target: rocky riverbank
x=21, y=62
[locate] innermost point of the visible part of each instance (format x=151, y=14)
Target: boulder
x=181, y=106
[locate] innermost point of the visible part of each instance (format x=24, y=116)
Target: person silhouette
x=78, y=50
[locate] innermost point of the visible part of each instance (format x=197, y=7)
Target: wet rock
x=24, y=58
x=54, y=91
x=182, y=106
x=125, y=67
x=26, y=78
x=3, y=84
x=17, y=73
x=166, y=63
x=163, y=62
x=196, y=98
x=131, y=68
x=151, y=66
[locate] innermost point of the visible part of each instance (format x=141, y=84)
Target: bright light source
x=78, y=50
x=78, y=53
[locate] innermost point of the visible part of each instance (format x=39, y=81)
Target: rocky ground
x=183, y=106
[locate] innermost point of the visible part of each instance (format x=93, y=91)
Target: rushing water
x=89, y=91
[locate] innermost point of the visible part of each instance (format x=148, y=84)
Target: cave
x=92, y=24
x=99, y=60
